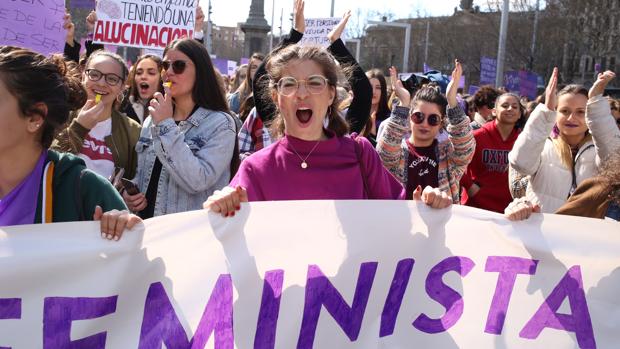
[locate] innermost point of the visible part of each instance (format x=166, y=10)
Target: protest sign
x=232, y=66
x=488, y=69
x=144, y=23
x=322, y=274
x=317, y=30
x=36, y=25
x=473, y=89
x=528, y=82
x=511, y=81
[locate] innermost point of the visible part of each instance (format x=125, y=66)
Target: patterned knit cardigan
x=453, y=153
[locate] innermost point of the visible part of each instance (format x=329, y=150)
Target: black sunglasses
x=432, y=119
x=178, y=67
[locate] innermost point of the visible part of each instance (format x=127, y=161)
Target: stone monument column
x=256, y=29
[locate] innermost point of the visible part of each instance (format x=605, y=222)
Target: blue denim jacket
x=195, y=157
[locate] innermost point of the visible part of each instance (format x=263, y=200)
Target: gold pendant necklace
x=304, y=164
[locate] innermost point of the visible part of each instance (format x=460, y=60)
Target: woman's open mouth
x=144, y=87
x=304, y=115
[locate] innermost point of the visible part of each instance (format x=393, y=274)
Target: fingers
x=226, y=201
x=417, y=193
x=520, y=209
x=98, y=213
x=435, y=198
x=114, y=223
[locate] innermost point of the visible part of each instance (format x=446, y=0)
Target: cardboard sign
x=144, y=23
x=488, y=71
x=317, y=30
x=315, y=274
x=36, y=25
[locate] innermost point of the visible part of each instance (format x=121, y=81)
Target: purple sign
x=461, y=81
x=33, y=24
x=245, y=60
x=529, y=84
x=221, y=65
x=473, y=89
x=83, y=4
x=511, y=81
x=488, y=70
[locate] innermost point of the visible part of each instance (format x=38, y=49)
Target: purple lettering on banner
x=321, y=292
x=579, y=321
x=269, y=310
x=444, y=295
x=59, y=312
x=10, y=309
x=160, y=324
x=508, y=268
x=395, y=296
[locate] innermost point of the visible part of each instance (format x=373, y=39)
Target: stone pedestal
x=255, y=29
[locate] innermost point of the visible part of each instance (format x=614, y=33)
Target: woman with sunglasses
x=421, y=159
x=186, y=147
x=38, y=185
x=144, y=80
x=583, y=135
x=99, y=134
x=311, y=161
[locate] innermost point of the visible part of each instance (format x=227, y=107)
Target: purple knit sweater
x=333, y=173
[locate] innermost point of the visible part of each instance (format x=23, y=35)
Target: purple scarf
x=19, y=206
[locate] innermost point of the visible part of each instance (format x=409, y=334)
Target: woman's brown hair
x=131, y=81
x=323, y=59
x=33, y=78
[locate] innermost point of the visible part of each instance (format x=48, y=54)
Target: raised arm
x=525, y=156
x=459, y=129
x=359, y=110
x=265, y=108
x=605, y=133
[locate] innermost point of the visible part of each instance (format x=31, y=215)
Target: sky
x=230, y=12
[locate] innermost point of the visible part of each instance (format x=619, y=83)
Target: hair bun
x=76, y=94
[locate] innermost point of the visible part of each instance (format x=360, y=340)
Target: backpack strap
x=78, y=195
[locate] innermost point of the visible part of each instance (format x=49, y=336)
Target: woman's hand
x=598, y=88
x=453, y=86
x=114, y=223
x=69, y=27
x=551, y=93
x=91, y=20
x=520, y=209
x=91, y=114
x=336, y=33
x=397, y=86
x=135, y=203
x=300, y=20
x=161, y=106
x=226, y=201
x=200, y=19
x=433, y=197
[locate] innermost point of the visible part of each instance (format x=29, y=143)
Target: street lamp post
x=501, y=51
x=407, y=27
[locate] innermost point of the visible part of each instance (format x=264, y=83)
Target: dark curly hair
x=33, y=78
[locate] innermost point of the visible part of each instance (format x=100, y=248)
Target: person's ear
x=37, y=117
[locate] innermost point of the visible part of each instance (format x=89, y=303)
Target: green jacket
x=75, y=190
x=122, y=141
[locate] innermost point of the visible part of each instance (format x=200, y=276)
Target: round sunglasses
x=178, y=66
x=432, y=119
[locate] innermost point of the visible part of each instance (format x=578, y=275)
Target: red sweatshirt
x=489, y=169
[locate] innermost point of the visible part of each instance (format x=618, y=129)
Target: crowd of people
x=89, y=138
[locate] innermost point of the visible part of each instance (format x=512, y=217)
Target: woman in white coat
x=564, y=141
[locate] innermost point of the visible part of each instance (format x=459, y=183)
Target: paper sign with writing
x=144, y=23
x=488, y=70
x=317, y=30
x=35, y=24
x=329, y=274
x=90, y=4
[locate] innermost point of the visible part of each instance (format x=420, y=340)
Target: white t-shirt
x=96, y=154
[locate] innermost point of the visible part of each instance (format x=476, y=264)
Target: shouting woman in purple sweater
x=314, y=159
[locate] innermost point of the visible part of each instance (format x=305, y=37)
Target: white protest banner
x=144, y=23
x=322, y=274
x=35, y=24
x=317, y=30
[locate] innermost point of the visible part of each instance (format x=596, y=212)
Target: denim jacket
x=195, y=157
